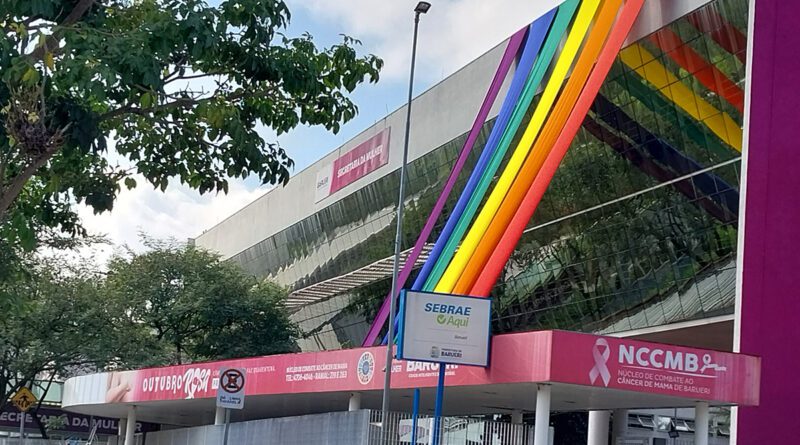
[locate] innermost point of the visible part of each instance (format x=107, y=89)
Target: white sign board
x=230, y=393
x=323, y=183
x=444, y=328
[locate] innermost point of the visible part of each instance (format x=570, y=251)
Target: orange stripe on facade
x=566, y=101
x=513, y=233
x=708, y=75
x=709, y=21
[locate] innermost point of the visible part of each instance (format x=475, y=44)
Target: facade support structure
x=619, y=427
x=598, y=427
x=130, y=427
x=219, y=416
x=121, y=428
x=541, y=428
x=354, y=404
x=701, y=423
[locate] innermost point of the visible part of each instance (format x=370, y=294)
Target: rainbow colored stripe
x=476, y=242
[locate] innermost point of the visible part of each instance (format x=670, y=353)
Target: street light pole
x=422, y=8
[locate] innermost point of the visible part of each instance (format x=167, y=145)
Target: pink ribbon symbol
x=600, y=352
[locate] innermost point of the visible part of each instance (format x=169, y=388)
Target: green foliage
x=367, y=300
x=12, y=270
x=253, y=324
x=199, y=307
x=180, y=88
x=584, y=272
x=61, y=324
x=172, y=304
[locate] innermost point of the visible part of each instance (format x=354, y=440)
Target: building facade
x=637, y=231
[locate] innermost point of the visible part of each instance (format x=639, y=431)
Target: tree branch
x=179, y=103
x=3, y=164
x=129, y=109
x=77, y=12
x=10, y=193
x=42, y=429
x=80, y=9
x=170, y=79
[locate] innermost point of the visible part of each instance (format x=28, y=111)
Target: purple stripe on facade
x=505, y=64
x=770, y=306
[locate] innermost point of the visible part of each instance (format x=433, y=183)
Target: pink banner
x=360, y=161
x=344, y=370
x=655, y=368
x=545, y=356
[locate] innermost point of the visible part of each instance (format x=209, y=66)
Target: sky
x=453, y=33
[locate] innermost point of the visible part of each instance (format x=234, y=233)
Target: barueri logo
x=450, y=314
x=365, y=368
x=452, y=353
x=638, y=366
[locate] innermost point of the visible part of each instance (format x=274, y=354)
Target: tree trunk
x=42, y=429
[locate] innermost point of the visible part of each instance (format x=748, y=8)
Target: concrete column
x=619, y=428
x=542, y=426
x=701, y=423
x=121, y=427
x=219, y=416
x=355, y=401
x=598, y=427
x=130, y=429
x=516, y=417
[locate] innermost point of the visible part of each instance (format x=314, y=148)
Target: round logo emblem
x=366, y=368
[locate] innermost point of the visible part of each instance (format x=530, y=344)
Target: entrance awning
x=585, y=372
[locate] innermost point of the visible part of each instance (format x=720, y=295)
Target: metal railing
x=649, y=440
x=363, y=427
x=397, y=429
x=38, y=441
x=633, y=441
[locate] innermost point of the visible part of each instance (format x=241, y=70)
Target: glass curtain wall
x=637, y=229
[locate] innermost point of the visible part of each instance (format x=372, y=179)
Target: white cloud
x=452, y=34
x=179, y=213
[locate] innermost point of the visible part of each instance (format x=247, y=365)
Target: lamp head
x=422, y=7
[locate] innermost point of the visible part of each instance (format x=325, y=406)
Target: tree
x=62, y=324
x=199, y=307
x=172, y=304
x=12, y=269
x=257, y=325
x=179, y=87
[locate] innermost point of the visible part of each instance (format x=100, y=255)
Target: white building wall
x=439, y=115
